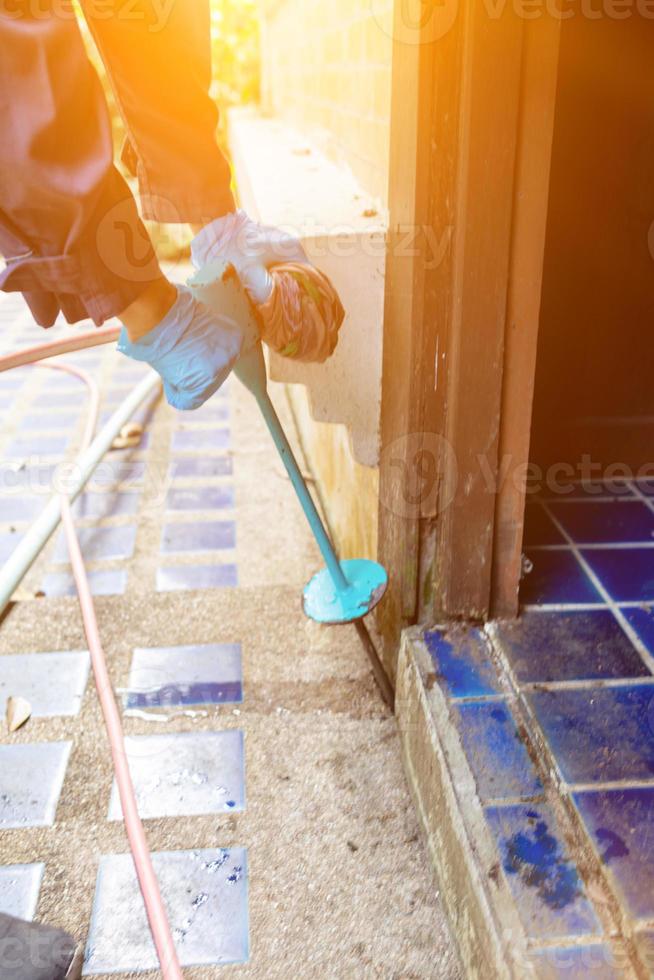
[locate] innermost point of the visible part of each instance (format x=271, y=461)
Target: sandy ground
x=340, y=882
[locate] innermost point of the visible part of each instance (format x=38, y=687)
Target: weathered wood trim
x=402, y=374
x=531, y=195
x=483, y=188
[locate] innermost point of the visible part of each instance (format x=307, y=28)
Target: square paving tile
x=190, y=440
x=495, y=752
x=186, y=675
x=595, y=962
x=20, y=508
x=104, y=581
x=8, y=542
x=199, y=498
x=549, y=894
x=621, y=823
x=50, y=420
x=556, y=577
x=20, y=885
x=185, y=774
x=113, y=472
x=201, y=466
x=101, y=505
x=53, y=683
x=595, y=522
x=462, y=662
x=200, y=536
x=627, y=574
x=31, y=777
x=206, y=897
x=60, y=399
x=37, y=445
x=177, y=578
x=567, y=646
x=599, y=735
x=100, y=542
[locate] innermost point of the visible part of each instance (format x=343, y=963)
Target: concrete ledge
x=503, y=929
x=482, y=913
x=283, y=180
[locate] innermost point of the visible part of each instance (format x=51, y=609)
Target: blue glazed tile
x=8, y=542
x=20, y=885
x=201, y=466
x=589, y=489
x=462, y=663
x=32, y=777
x=556, y=577
x=20, y=508
x=99, y=543
x=202, y=536
x=539, y=528
x=621, y=823
x=99, y=505
x=549, y=894
x=53, y=683
x=595, y=962
x=599, y=735
x=200, y=498
x=206, y=897
x=190, y=440
x=169, y=676
x=641, y=618
x=106, y=581
x=565, y=646
x=185, y=774
x=627, y=575
x=177, y=578
x=38, y=445
x=495, y=752
x=596, y=522
x=645, y=486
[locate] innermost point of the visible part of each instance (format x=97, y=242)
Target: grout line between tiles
x=594, y=579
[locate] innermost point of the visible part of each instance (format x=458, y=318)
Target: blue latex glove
x=251, y=248
x=192, y=349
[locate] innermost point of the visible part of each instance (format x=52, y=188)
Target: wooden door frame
x=471, y=133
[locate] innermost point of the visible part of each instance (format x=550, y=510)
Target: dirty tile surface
x=53, y=683
x=31, y=779
x=19, y=889
x=550, y=896
x=187, y=675
x=205, y=893
x=201, y=536
x=185, y=774
x=171, y=578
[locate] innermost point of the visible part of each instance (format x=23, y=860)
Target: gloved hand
x=192, y=348
x=251, y=248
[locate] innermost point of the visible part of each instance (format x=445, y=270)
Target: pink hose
x=157, y=916
x=104, y=335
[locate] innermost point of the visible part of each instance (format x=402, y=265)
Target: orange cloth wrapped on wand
x=303, y=315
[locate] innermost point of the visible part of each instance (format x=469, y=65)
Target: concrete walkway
x=315, y=842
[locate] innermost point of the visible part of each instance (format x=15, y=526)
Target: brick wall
x=327, y=69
